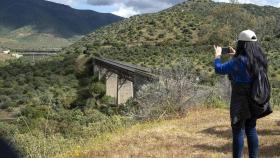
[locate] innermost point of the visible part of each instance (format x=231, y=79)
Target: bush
x=7, y=129
x=91, y=102
x=215, y=102
x=5, y=101
x=168, y=97
x=98, y=89
x=107, y=100
x=162, y=35
x=83, y=65
x=34, y=112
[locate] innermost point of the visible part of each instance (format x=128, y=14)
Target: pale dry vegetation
x=203, y=133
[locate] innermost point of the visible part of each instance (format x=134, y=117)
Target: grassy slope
x=203, y=133
x=183, y=32
x=187, y=32
x=28, y=37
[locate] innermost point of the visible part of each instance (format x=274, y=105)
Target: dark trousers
x=249, y=128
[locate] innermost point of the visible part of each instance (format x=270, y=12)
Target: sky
x=127, y=8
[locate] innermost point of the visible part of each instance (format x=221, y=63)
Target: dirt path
x=8, y=116
x=202, y=134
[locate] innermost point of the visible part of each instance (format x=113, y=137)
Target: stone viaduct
x=123, y=80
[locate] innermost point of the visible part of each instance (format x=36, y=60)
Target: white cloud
x=125, y=11
x=128, y=8
x=103, y=2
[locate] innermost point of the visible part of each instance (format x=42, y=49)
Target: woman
x=245, y=63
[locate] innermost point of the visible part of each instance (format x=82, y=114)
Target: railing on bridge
x=50, y=50
x=37, y=54
x=125, y=70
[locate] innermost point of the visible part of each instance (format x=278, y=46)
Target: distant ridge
x=25, y=18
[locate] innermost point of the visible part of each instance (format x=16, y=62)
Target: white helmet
x=247, y=35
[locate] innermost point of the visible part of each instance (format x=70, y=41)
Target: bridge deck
x=36, y=53
x=132, y=69
x=56, y=50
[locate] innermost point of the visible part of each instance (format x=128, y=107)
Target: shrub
x=83, y=65
x=215, y=102
x=34, y=112
x=107, y=100
x=5, y=101
x=7, y=129
x=91, y=102
x=162, y=35
x=98, y=89
x=171, y=96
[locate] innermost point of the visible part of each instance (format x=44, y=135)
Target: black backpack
x=260, y=95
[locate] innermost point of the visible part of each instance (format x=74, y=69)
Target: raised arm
x=224, y=68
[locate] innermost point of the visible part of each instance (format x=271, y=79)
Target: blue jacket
x=236, y=68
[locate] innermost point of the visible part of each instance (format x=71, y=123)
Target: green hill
x=187, y=32
x=40, y=23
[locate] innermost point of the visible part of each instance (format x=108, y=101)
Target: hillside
x=25, y=21
x=187, y=28
x=203, y=133
x=187, y=32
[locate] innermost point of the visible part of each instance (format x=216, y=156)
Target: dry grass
x=204, y=133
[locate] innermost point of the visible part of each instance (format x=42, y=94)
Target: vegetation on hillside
x=187, y=32
x=52, y=105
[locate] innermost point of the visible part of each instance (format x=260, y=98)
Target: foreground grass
x=203, y=133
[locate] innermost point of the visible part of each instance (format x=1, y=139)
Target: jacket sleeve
x=224, y=68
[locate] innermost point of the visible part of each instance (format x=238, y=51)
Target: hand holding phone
x=225, y=50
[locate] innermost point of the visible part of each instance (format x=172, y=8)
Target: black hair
x=255, y=54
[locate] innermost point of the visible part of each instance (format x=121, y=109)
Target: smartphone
x=225, y=50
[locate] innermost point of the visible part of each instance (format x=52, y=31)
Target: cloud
x=148, y=6
x=127, y=8
x=125, y=11
x=103, y=2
